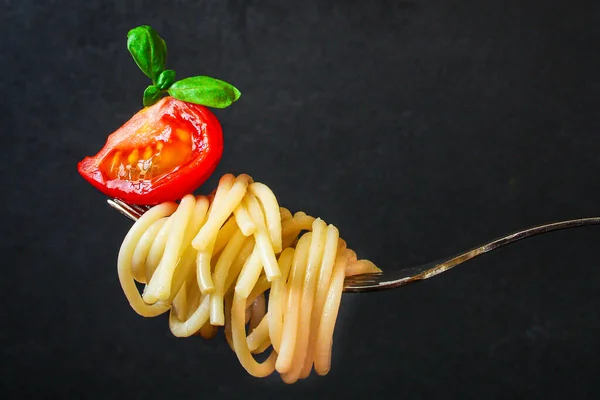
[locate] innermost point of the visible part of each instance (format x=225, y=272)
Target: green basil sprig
x=149, y=51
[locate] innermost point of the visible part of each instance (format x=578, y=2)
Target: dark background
x=419, y=128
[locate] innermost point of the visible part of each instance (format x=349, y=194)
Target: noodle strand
x=237, y=259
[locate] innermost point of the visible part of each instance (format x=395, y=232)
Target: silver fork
x=394, y=279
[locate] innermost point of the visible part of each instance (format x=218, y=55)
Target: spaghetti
x=210, y=261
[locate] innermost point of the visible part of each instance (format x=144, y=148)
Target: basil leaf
x=165, y=79
x=151, y=95
x=148, y=50
x=206, y=91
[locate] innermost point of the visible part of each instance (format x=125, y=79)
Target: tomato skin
x=163, y=117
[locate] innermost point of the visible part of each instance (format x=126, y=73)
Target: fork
x=393, y=279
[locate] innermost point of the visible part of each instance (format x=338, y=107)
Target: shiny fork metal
x=393, y=279
x=131, y=211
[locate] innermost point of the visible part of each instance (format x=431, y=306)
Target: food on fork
x=233, y=258
x=161, y=154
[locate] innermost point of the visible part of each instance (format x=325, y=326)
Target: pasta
x=236, y=259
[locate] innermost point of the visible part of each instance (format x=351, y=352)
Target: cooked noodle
x=211, y=260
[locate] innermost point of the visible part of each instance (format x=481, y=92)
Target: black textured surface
x=420, y=128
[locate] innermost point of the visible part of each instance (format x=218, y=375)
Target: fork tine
x=126, y=209
x=354, y=283
x=140, y=209
x=361, y=282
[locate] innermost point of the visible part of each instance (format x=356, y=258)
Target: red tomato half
x=161, y=154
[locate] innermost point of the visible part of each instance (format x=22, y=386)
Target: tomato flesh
x=161, y=154
x=158, y=158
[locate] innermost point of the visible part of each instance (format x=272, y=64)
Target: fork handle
x=373, y=283
x=503, y=241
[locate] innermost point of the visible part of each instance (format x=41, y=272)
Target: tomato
x=162, y=153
